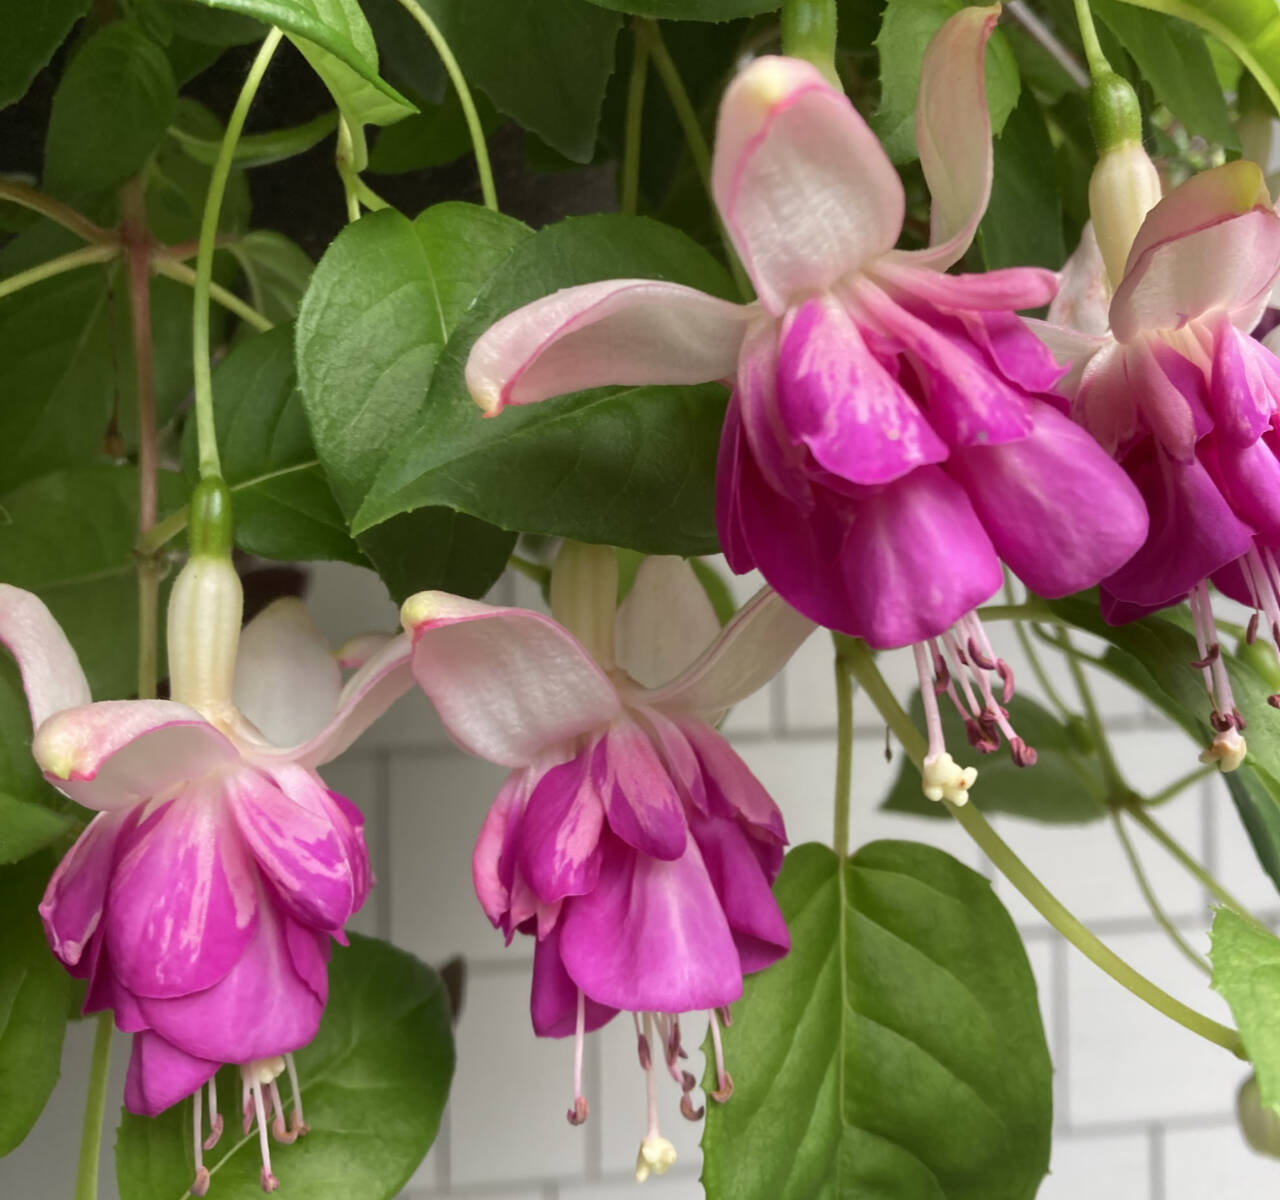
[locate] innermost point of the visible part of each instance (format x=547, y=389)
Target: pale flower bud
x=204, y=633
x=584, y=597
x=1125, y=186
x=1260, y=1125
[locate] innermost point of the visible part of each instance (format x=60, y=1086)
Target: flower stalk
x=809, y=32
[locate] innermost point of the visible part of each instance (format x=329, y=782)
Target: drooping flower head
x=1165, y=376
x=892, y=436
x=201, y=900
x=629, y=839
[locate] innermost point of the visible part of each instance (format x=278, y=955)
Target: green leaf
x=1173, y=58
x=628, y=466
x=1251, y=28
x=896, y=1051
x=1023, y=222
x=177, y=183
x=26, y=827
x=374, y=1083
x=544, y=63
x=435, y=136
x=34, y=994
x=32, y=32
x=409, y=60
x=382, y=303
x=281, y=502
x=1065, y=787
x=339, y=45
x=191, y=19
x=905, y=32
x=110, y=111
x=277, y=271
x=1246, y=972
x=68, y=537
x=691, y=10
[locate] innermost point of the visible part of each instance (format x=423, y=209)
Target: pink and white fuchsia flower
x=891, y=437
x=1167, y=379
x=629, y=839
x=201, y=900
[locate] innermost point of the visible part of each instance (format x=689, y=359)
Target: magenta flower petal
x=76, y=894
x=640, y=802
x=51, y=674
x=1249, y=479
x=494, y=857
x=1244, y=391
x=560, y=832
x=652, y=936
x=297, y=844
x=732, y=790
x=1193, y=531
x=160, y=1075
x=309, y=951
x=553, y=996
x=759, y=931
x=1065, y=537
x=1006, y=290
x=182, y=906
x=836, y=398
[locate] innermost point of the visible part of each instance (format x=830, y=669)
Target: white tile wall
x=1143, y=1109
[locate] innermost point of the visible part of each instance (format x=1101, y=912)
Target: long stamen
x=297, y=1122
x=267, y=1180
x=940, y=776
x=1228, y=748
x=215, y=1118
x=656, y=1152
x=278, y=1128
x=200, y=1185
x=724, y=1081
x=578, y=1113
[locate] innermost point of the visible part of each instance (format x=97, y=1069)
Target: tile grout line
x=1060, y=1034
x=1155, y=1161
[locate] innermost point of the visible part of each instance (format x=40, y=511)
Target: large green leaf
x=26, y=827
x=897, y=1051
x=1066, y=785
x=630, y=466
x=277, y=271
x=382, y=303
x=374, y=1083
x=544, y=63
x=32, y=32
x=1173, y=58
x=34, y=996
x=110, y=111
x=904, y=33
x=282, y=505
x=1246, y=971
x=339, y=45
x=1023, y=222
x=69, y=538
x=1251, y=28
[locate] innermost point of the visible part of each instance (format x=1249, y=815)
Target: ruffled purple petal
x=641, y=803
x=781, y=456
x=76, y=894
x=1058, y=510
x=1249, y=479
x=160, y=1075
x=560, y=832
x=1245, y=386
x=652, y=937
x=731, y=789
x=553, y=996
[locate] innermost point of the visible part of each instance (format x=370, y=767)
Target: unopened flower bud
x=1259, y=1124
x=584, y=596
x=205, y=608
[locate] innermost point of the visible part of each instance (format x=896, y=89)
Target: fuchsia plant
x=629, y=839
x=903, y=433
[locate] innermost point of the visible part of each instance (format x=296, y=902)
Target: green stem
x=55, y=210
x=95, y=1105
x=1093, y=55
x=1148, y=894
x=1091, y=715
x=844, y=749
x=1083, y=939
x=1189, y=864
x=367, y=196
x=345, y=160
x=629, y=184
x=171, y=268
x=809, y=32
x=1029, y=610
x=84, y=257
x=206, y=435
x=474, y=127
x=1037, y=669
x=694, y=138
x=1016, y=871
x=1180, y=785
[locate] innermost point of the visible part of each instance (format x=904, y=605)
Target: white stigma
x=1227, y=749
x=942, y=778
x=655, y=1158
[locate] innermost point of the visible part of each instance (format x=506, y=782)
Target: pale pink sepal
x=507, y=683
x=286, y=681
x=119, y=752
x=953, y=133
x=665, y=622
x=805, y=190
x=750, y=651
x=1083, y=295
x=620, y=331
x=51, y=674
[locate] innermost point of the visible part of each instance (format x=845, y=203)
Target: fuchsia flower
x=201, y=900
x=629, y=839
x=891, y=437
x=1167, y=379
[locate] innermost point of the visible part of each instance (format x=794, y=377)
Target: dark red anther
x=688, y=1111
x=960, y=654
x=281, y=1133
x=1023, y=755
x=1219, y=722
x=673, y=1047
x=1274, y=700
x=215, y=1132
x=725, y=1090
x=577, y=1115
x=642, y=1049
x=1275, y=632
x=726, y=1017
x=1251, y=634
x=1238, y=720
x=1209, y=659
x=941, y=673
x=248, y=1119
x=975, y=653
x=1006, y=679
